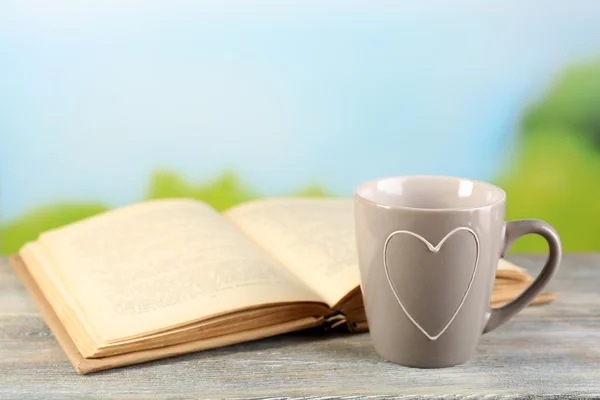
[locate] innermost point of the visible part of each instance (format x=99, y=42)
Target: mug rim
x=500, y=200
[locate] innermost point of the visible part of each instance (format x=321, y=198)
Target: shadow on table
x=306, y=343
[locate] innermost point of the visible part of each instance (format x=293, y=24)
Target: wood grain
x=546, y=351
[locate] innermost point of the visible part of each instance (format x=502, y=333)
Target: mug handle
x=513, y=231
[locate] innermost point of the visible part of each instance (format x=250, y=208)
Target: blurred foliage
x=555, y=175
x=555, y=178
x=29, y=226
x=221, y=193
x=572, y=105
x=311, y=191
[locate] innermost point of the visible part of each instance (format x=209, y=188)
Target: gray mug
x=428, y=249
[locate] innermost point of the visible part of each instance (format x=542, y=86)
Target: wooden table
x=548, y=350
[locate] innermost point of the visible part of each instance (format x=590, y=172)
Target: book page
x=313, y=238
x=161, y=264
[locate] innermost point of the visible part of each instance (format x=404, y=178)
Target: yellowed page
x=160, y=264
x=65, y=306
x=313, y=238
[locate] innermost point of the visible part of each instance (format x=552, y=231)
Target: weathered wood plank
x=546, y=351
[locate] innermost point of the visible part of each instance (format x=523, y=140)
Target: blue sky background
x=96, y=95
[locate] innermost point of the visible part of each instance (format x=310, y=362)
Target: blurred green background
x=228, y=105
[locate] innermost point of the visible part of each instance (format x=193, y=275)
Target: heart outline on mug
x=433, y=249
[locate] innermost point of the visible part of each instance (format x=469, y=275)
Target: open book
x=166, y=277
